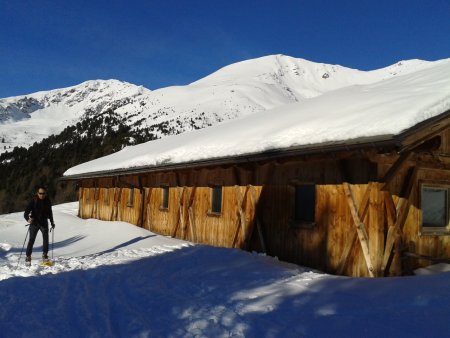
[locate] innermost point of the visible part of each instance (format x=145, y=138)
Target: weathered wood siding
x=367, y=208
x=189, y=217
x=437, y=246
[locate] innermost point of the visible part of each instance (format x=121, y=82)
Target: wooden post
x=80, y=201
x=401, y=213
x=376, y=227
x=251, y=226
x=95, y=206
x=191, y=214
x=240, y=224
x=147, y=214
x=180, y=213
x=360, y=229
x=192, y=224
x=141, y=210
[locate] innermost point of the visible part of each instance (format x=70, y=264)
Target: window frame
x=430, y=230
x=298, y=222
x=130, y=202
x=162, y=206
x=211, y=212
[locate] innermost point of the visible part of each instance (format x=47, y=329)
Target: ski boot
x=46, y=261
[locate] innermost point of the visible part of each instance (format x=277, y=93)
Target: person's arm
x=50, y=213
x=27, y=212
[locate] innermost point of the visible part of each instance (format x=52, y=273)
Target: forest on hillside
x=22, y=170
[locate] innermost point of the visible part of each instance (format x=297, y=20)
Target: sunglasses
x=41, y=193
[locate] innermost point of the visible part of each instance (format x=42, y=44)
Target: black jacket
x=40, y=210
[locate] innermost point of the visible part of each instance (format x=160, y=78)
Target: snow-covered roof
x=382, y=109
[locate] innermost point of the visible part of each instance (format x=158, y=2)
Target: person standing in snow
x=37, y=214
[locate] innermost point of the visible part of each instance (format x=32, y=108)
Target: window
x=216, y=199
x=435, y=208
x=305, y=204
x=164, y=197
x=106, y=196
x=131, y=198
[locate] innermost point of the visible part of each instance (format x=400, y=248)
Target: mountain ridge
x=235, y=90
x=45, y=133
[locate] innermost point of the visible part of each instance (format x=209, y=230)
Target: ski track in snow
x=63, y=264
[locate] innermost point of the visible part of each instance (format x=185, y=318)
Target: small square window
x=435, y=208
x=164, y=197
x=305, y=204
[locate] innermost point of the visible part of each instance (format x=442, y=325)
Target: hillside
x=233, y=91
x=45, y=133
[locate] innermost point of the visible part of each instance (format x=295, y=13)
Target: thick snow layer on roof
x=387, y=107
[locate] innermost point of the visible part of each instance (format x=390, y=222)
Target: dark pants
x=34, y=229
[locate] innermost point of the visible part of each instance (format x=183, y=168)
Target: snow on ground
x=112, y=279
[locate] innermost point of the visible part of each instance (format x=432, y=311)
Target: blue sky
x=157, y=43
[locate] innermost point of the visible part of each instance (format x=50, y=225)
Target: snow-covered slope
x=386, y=107
x=134, y=283
x=28, y=119
x=234, y=91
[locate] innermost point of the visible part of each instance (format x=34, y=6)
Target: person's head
x=41, y=192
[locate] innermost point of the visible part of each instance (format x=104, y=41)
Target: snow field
x=113, y=279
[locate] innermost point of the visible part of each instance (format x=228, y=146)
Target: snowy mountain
x=378, y=110
x=31, y=118
x=234, y=91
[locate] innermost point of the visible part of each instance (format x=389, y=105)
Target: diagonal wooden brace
x=360, y=229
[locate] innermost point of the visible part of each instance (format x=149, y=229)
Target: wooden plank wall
x=424, y=244
x=362, y=227
x=188, y=216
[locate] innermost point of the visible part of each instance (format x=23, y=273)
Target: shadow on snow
x=204, y=291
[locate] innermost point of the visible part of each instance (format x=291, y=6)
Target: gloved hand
x=53, y=225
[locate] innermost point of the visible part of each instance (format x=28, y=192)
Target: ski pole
x=26, y=236
x=53, y=240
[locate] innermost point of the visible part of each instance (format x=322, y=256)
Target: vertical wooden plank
x=376, y=228
x=148, y=206
x=251, y=225
x=113, y=204
x=190, y=214
x=391, y=233
x=180, y=219
x=241, y=223
x=192, y=225
x=387, y=256
x=238, y=221
x=141, y=210
x=81, y=201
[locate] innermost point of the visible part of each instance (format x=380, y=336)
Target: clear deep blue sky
x=157, y=43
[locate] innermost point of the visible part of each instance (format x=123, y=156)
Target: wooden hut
x=373, y=205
